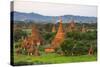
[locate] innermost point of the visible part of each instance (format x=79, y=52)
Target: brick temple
x=31, y=42
x=59, y=37
x=71, y=26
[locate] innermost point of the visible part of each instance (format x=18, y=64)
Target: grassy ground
x=51, y=58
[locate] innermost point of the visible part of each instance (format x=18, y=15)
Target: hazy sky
x=52, y=9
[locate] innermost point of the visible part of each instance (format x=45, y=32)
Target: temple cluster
x=32, y=42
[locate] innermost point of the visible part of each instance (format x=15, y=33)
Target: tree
x=67, y=46
x=49, y=36
x=78, y=43
x=18, y=33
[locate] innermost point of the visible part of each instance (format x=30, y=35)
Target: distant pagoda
x=83, y=29
x=71, y=26
x=53, y=27
x=59, y=36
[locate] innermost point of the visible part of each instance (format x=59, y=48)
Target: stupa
x=71, y=26
x=83, y=29
x=59, y=36
x=53, y=27
x=31, y=42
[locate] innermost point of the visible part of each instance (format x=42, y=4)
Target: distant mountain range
x=20, y=16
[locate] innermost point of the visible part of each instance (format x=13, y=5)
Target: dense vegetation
x=76, y=44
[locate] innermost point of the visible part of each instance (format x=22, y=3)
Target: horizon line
x=54, y=15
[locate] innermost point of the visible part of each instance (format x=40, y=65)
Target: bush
x=49, y=36
x=66, y=47
x=78, y=43
x=18, y=33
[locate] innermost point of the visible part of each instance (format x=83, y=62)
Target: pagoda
x=53, y=28
x=83, y=29
x=71, y=26
x=59, y=37
x=31, y=42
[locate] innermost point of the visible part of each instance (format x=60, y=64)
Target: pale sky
x=54, y=9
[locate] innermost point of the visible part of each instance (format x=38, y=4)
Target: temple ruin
x=59, y=37
x=71, y=27
x=32, y=42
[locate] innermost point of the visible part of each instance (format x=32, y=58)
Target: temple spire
x=60, y=19
x=60, y=28
x=53, y=28
x=71, y=26
x=59, y=36
x=83, y=29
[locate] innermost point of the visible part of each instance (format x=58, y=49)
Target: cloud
x=54, y=9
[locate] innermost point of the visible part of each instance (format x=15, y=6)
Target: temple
x=83, y=29
x=59, y=36
x=53, y=27
x=71, y=26
x=31, y=42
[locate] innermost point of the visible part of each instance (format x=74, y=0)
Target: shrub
x=18, y=33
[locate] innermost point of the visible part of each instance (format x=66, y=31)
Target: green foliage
x=18, y=33
x=67, y=46
x=41, y=48
x=51, y=58
x=78, y=43
x=75, y=46
x=80, y=49
x=91, y=35
x=17, y=44
x=49, y=36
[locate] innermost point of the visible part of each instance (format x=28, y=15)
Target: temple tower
x=83, y=29
x=71, y=26
x=36, y=37
x=31, y=42
x=59, y=36
x=53, y=27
